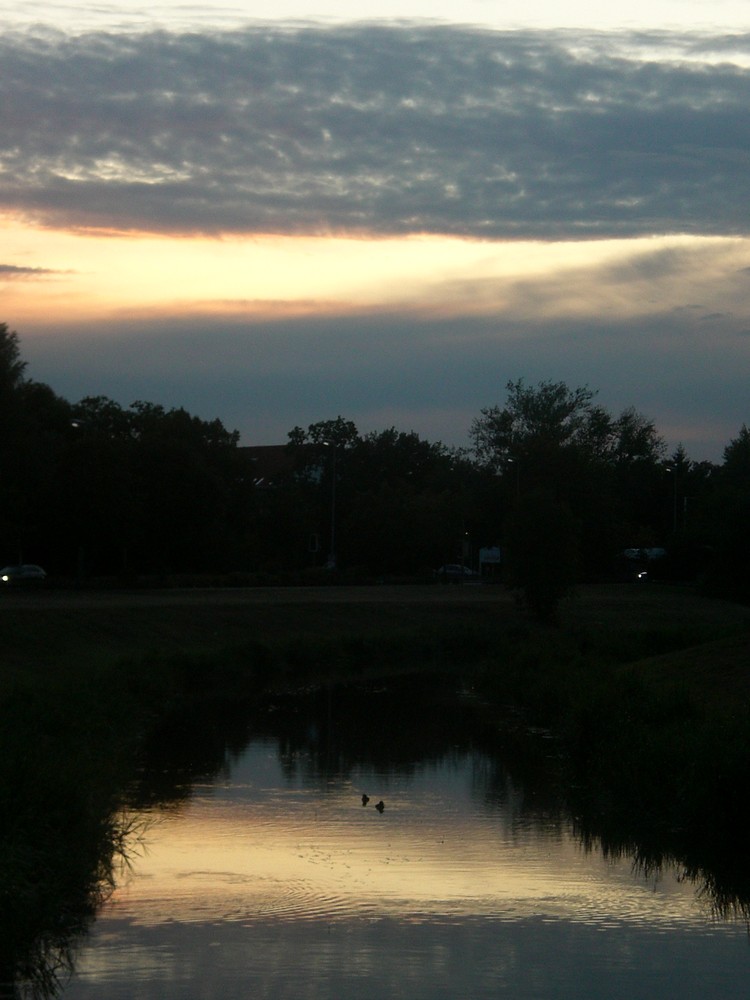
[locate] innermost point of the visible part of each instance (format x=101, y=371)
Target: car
x=455, y=573
x=27, y=574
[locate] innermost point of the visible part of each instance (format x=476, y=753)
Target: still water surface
x=270, y=879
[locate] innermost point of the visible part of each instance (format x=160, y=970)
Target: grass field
x=51, y=632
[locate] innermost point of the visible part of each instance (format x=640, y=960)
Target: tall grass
x=61, y=833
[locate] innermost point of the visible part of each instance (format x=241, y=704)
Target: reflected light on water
x=309, y=856
x=283, y=883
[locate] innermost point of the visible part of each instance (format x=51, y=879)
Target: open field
x=49, y=630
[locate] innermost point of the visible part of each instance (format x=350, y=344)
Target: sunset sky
x=274, y=214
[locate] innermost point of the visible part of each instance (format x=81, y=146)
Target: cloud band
x=376, y=129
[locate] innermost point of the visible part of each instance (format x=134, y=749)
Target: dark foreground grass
x=61, y=633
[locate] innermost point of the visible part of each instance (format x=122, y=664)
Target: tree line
x=559, y=484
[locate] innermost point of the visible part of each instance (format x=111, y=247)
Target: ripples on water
x=276, y=882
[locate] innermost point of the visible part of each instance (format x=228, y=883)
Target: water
x=266, y=877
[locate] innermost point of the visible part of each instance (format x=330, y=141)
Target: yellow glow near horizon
x=89, y=276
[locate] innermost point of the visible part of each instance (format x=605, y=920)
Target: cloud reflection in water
x=272, y=885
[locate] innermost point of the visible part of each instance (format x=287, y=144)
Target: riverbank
x=641, y=658
x=646, y=688
x=150, y=649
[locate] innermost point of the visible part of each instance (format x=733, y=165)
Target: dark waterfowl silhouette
x=365, y=799
x=380, y=806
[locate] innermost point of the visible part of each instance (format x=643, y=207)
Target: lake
x=258, y=872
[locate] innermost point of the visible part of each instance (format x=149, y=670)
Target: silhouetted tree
x=339, y=432
x=552, y=440
x=542, y=551
x=34, y=425
x=537, y=423
x=400, y=501
x=319, y=462
x=737, y=459
x=12, y=367
x=97, y=488
x=731, y=521
x=406, y=502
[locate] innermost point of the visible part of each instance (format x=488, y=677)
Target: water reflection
x=265, y=874
x=262, y=844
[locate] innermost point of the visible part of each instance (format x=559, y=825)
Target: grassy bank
x=622, y=657
x=52, y=633
x=616, y=651
x=634, y=678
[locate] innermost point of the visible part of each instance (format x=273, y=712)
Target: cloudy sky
x=273, y=214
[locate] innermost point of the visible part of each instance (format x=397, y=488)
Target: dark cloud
x=9, y=271
x=378, y=129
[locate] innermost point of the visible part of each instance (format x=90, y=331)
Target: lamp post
x=332, y=547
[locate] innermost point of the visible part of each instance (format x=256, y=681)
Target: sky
x=275, y=214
